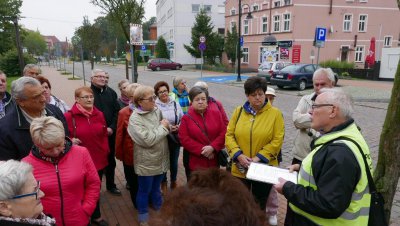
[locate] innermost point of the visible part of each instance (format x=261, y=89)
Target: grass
x=66, y=73
x=74, y=78
x=9, y=81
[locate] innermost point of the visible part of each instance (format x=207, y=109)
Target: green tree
x=9, y=60
x=230, y=46
x=161, y=48
x=123, y=13
x=9, y=12
x=35, y=43
x=90, y=37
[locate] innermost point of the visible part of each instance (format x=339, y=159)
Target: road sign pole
x=132, y=63
x=201, y=67
x=318, y=55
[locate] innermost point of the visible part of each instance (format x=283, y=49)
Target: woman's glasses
x=36, y=193
x=152, y=98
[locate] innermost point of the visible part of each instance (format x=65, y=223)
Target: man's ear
x=5, y=209
x=335, y=112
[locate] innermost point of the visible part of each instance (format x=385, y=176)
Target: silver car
x=267, y=68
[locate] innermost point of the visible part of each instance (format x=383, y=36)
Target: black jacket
x=105, y=99
x=15, y=138
x=8, y=103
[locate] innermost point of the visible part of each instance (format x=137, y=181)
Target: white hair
x=327, y=72
x=201, y=84
x=47, y=131
x=18, y=86
x=343, y=100
x=13, y=176
x=96, y=71
x=29, y=67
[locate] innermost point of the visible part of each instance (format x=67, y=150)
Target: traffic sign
x=202, y=39
x=143, y=47
x=202, y=46
x=320, y=36
x=241, y=41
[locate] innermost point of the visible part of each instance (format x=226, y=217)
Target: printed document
x=269, y=174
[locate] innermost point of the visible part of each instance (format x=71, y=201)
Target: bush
x=337, y=64
x=345, y=74
x=10, y=65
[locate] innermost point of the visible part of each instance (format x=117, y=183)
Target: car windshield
x=291, y=68
x=266, y=65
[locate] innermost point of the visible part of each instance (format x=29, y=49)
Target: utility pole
x=19, y=46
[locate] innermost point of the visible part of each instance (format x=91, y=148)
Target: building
x=350, y=25
x=175, y=19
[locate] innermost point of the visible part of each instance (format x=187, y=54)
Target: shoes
x=164, y=187
x=127, y=186
x=101, y=222
x=115, y=191
x=273, y=220
x=174, y=185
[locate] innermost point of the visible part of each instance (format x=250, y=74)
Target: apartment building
x=350, y=26
x=175, y=19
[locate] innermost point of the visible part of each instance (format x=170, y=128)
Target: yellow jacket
x=258, y=135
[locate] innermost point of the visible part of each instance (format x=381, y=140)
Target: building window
x=245, y=27
x=264, y=24
x=277, y=4
x=347, y=22
x=207, y=8
x=233, y=12
x=195, y=8
x=233, y=24
x=286, y=22
x=288, y=2
x=221, y=31
x=362, y=23
x=277, y=23
x=255, y=8
x=245, y=55
x=387, y=41
x=359, y=54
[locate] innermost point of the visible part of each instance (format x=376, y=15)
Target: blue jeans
x=173, y=161
x=149, y=187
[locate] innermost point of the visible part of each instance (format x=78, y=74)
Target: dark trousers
x=174, y=150
x=132, y=180
x=110, y=169
x=97, y=214
x=289, y=212
x=259, y=190
x=185, y=160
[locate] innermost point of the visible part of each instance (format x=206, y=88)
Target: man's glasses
x=153, y=98
x=321, y=105
x=87, y=97
x=36, y=193
x=100, y=76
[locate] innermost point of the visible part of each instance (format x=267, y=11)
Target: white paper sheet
x=269, y=174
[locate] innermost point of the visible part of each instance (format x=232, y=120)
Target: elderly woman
x=124, y=143
x=123, y=100
x=202, y=132
x=180, y=93
x=172, y=111
x=50, y=98
x=149, y=131
x=88, y=128
x=66, y=172
x=20, y=196
x=255, y=134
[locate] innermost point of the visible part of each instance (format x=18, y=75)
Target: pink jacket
x=72, y=193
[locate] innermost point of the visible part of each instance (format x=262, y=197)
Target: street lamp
x=249, y=16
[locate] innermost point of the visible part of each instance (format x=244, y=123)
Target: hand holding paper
x=269, y=174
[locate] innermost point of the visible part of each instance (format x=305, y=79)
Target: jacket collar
x=346, y=128
x=22, y=122
x=246, y=106
x=98, y=89
x=37, y=154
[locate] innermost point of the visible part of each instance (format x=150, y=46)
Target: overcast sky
x=61, y=17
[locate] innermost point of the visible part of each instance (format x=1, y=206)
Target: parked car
x=157, y=64
x=267, y=68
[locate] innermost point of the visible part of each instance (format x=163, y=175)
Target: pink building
x=350, y=25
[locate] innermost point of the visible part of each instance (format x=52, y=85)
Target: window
x=169, y=13
x=207, y=8
x=195, y=8
x=347, y=22
x=286, y=22
x=387, y=41
x=245, y=27
x=233, y=12
x=233, y=25
x=277, y=4
x=221, y=31
x=264, y=24
x=362, y=23
x=277, y=23
x=245, y=55
x=255, y=8
x=359, y=54
x=261, y=56
x=288, y=2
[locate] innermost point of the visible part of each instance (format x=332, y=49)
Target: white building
x=175, y=19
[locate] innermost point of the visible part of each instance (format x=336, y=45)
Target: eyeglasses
x=87, y=97
x=37, y=189
x=163, y=92
x=100, y=76
x=153, y=98
x=321, y=105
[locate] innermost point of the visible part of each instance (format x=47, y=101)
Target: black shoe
x=115, y=191
x=99, y=223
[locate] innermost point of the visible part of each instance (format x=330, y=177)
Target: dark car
x=163, y=63
x=267, y=68
x=296, y=75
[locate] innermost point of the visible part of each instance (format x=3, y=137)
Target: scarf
x=124, y=100
x=41, y=220
x=84, y=111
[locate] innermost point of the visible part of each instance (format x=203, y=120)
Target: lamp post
x=239, y=79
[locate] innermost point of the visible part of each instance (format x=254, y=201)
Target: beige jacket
x=151, y=155
x=302, y=121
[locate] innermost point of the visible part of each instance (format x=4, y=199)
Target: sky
x=61, y=17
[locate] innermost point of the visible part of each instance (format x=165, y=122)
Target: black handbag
x=223, y=158
x=174, y=138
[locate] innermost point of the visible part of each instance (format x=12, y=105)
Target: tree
x=9, y=11
x=203, y=27
x=230, y=46
x=90, y=37
x=161, y=48
x=35, y=43
x=123, y=13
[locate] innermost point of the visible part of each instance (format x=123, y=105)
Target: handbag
x=223, y=158
x=173, y=136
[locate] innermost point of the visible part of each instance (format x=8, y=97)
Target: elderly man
x=31, y=70
x=15, y=139
x=332, y=184
x=105, y=99
x=6, y=102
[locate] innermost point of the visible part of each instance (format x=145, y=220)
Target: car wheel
x=158, y=68
x=279, y=86
x=302, y=85
x=153, y=69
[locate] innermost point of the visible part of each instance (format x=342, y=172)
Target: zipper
x=251, y=135
x=205, y=129
x=61, y=193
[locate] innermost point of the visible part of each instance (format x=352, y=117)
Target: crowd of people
x=53, y=156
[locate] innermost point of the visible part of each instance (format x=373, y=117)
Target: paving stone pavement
x=118, y=210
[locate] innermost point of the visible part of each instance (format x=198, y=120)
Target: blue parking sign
x=320, y=34
x=143, y=47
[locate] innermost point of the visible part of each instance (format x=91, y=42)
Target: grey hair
x=30, y=66
x=177, y=81
x=343, y=100
x=18, y=86
x=122, y=82
x=327, y=72
x=47, y=131
x=96, y=71
x=201, y=84
x=13, y=176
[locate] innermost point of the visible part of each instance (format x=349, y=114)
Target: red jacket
x=193, y=139
x=78, y=181
x=92, y=132
x=124, y=142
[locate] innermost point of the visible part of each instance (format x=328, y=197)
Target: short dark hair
x=254, y=83
x=160, y=84
x=42, y=80
x=196, y=90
